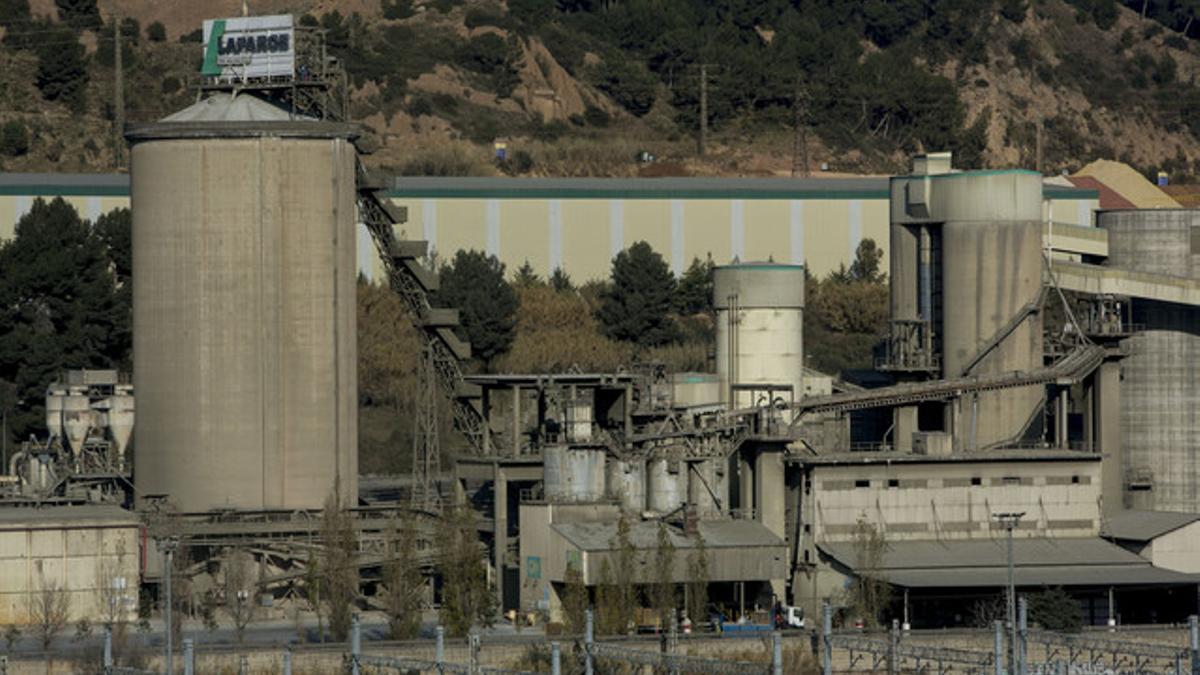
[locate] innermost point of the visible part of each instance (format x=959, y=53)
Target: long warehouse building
x=579, y=224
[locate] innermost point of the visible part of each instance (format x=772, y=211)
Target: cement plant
x=1031, y=428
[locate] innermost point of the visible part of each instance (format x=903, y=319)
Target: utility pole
x=118, y=93
x=800, y=122
x=1038, y=148
x=703, y=142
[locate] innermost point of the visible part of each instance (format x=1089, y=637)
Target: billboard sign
x=249, y=48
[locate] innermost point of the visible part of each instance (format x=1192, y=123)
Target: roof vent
x=932, y=163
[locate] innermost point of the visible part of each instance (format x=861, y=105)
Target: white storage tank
x=573, y=474
x=666, y=485
x=760, y=328
x=626, y=481
x=244, y=307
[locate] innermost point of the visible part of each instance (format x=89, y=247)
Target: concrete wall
x=925, y=501
x=80, y=558
x=1178, y=550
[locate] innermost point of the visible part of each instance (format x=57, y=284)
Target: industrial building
x=1039, y=363
x=581, y=224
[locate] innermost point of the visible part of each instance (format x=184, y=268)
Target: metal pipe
x=1194, y=635
x=777, y=653
x=826, y=639
x=189, y=657
x=440, y=649
x=287, y=660
x=355, y=643
x=555, y=659
x=169, y=556
x=108, y=652
x=589, y=636
x=1023, y=621
x=925, y=274
x=894, y=649
x=998, y=647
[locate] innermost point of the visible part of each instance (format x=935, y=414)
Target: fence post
x=673, y=642
x=555, y=659
x=893, y=662
x=244, y=665
x=826, y=637
x=777, y=653
x=1023, y=635
x=1194, y=635
x=440, y=653
x=998, y=647
x=287, y=660
x=355, y=643
x=108, y=656
x=589, y=637
x=473, y=652
x=189, y=657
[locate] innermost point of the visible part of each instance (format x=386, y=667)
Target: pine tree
x=474, y=284
x=575, y=600
x=694, y=294
x=561, y=281
x=637, y=308
x=340, y=571
x=698, y=578
x=526, y=277
x=403, y=584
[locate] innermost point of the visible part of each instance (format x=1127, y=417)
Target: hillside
x=580, y=87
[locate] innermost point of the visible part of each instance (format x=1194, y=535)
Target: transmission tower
x=426, y=450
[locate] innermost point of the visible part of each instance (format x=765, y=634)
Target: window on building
x=862, y=483
x=1011, y=480
x=893, y=483
x=1074, y=480
x=976, y=481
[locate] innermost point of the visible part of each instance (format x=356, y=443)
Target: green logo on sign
x=210, y=66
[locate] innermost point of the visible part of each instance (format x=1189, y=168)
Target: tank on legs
x=244, y=307
x=760, y=328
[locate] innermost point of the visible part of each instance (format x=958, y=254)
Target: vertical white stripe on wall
x=429, y=222
x=93, y=208
x=23, y=204
x=677, y=241
x=1085, y=212
x=737, y=230
x=492, y=215
x=616, y=226
x=556, y=242
x=855, y=226
x=796, y=208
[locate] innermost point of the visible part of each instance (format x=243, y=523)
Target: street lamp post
x=1009, y=522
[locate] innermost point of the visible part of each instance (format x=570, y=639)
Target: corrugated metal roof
x=47, y=517
x=885, y=457
x=1037, y=561
x=1109, y=198
x=592, y=536
x=1136, y=525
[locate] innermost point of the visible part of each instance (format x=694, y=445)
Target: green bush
x=1055, y=610
x=79, y=14
x=596, y=117
x=14, y=138
x=156, y=32
x=196, y=36
x=397, y=9
x=494, y=57
x=62, y=69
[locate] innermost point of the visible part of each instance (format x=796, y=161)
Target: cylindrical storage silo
x=573, y=474
x=1160, y=376
x=626, y=482
x=666, y=485
x=120, y=421
x=78, y=419
x=991, y=278
x=54, y=411
x=244, y=307
x=760, y=328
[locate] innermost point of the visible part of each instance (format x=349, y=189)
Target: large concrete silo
x=760, y=327
x=244, y=307
x=1160, y=383
x=967, y=263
